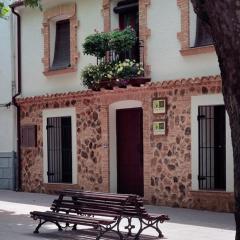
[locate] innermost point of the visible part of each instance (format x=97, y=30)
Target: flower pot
x=138, y=81
x=107, y=84
x=122, y=83
x=96, y=88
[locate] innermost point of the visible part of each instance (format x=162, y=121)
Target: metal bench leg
x=59, y=226
x=39, y=225
x=42, y=222
x=151, y=224
x=74, y=228
x=103, y=230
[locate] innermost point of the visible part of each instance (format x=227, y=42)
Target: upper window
x=128, y=15
x=60, y=39
x=195, y=37
x=61, y=58
x=203, y=35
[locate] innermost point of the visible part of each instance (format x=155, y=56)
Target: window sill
x=60, y=71
x=54, y=187
x=210, y=192
x=197, y=50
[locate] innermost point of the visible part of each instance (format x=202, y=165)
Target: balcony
x=119, y=60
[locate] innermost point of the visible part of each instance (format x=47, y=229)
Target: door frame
x=125, y=104
x=202, y=100
x=61, y=112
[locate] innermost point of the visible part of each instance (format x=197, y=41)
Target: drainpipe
x=14, y=102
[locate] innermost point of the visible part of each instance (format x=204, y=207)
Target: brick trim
x=184, y=35
x=144, y=32
x=185, y=82
x=68, y=10
x=106, y=15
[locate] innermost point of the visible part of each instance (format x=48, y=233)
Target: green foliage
x=122, y=41
x=96, y=44
x=33, y=3
x=4, y=10
x=119, y=41
x=127, y=69
x=93, y=74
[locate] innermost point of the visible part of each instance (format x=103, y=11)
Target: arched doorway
x=126, y=147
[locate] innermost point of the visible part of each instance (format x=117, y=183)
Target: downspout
x=14, y=102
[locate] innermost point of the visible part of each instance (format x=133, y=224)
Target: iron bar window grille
x=59, y=149
x=212, y=147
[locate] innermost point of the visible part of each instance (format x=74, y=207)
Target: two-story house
x=167, y=140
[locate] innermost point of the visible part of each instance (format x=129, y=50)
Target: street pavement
x=185, y=224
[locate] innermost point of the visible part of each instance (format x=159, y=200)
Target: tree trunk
x=233, y=105
x=223, y=18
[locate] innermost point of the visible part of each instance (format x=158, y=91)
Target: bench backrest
x=100, y=204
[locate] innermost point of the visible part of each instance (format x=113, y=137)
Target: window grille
x=59, y=149
x=212, y=147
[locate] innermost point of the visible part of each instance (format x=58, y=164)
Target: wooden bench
x=103, y=211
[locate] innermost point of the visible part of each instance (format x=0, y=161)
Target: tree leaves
x=4, y=8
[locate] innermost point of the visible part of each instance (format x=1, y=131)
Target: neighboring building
x=104, y=141
x=7, y=112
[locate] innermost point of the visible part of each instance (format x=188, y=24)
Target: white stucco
x=7, y=130
x=166, y=62
x=114, y=17
x=207, y=101
x=7, y=127
x=61, y=112
x=192, y=24
x=113, y=138
x=5, y=61
x=164, y=57
x=34, y=82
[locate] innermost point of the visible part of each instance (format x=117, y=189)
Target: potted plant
x=122, y=41
x=97, y=76
x=97, y=44
x=125, y=70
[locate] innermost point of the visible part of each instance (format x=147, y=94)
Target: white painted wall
x=216, y=99
x=164, y=57
x=166, y=62
x=34, y=82
x=7, y=129
x=5, y=61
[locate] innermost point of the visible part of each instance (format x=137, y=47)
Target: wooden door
x=130, y=151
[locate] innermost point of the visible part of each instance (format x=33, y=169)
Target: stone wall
x=167, y=159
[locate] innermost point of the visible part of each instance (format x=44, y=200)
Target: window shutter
x=61, y=58
x=203, y=35
x=29, y=136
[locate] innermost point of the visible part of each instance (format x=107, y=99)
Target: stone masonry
x=167, y=159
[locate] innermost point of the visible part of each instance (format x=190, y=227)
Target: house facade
x=167, y=140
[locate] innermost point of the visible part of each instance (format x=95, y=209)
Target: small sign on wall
x=159, y=105
x=159, y=127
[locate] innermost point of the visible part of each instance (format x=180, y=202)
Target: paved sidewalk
x=185, y=224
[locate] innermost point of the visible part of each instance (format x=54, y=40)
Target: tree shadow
x=196, y=217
